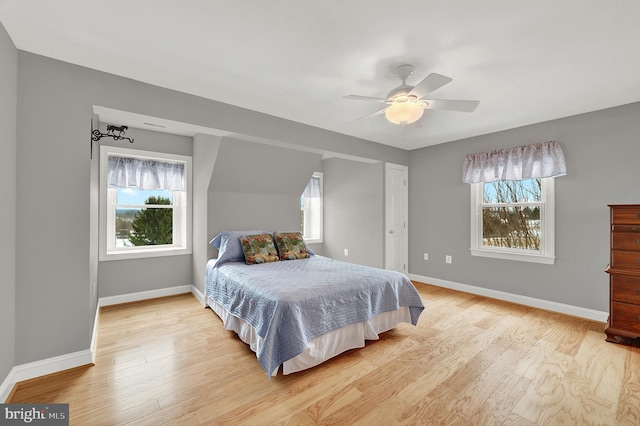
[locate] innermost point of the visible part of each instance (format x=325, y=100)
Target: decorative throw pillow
x=258, y=248
x=291, y=246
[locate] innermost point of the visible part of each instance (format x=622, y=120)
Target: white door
x=396, y=217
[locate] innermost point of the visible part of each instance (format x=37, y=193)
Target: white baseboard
x=198, y=295
x=7, y=386
x=64, y=362
x=576, y=311
x=144, y=295
x=43, y=367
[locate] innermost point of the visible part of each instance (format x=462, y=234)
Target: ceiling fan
x=406, y=103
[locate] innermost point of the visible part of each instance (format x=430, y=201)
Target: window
x=311, y=210
x=512, y=201
x=145, y=200
x=513, y=219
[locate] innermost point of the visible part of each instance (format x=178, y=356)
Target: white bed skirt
x=321, y=348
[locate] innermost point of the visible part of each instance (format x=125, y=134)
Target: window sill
x=142, y=254
x=533, y=258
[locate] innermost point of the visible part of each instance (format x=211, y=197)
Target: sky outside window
x=132, y=196
x=528, y=190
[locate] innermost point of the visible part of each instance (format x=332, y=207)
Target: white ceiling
x=526, y=62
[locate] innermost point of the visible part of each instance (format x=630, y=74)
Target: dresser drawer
x=625, y=316
x=625, y=289
x=625, y=228
x=628, y=215
x=625, y=241
x=621, y=259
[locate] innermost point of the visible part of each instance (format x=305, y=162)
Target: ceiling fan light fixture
x=406, y=112
x=405, y=102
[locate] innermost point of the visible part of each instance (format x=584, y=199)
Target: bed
x=298, y=313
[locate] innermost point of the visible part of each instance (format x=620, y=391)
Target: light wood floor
x=470, y=361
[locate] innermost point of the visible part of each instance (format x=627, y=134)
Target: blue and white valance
x=540, y=160
x=126, y=172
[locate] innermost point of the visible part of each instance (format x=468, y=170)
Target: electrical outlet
x=346, y=252
x=426, y=256
x=447, y=259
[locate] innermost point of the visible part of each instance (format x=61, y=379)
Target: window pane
x=134, y=196
x=511, y=227
x=124, y=221
x=144, y=227
x=311, y=209
x=141, y=223
x=513, y=191
x=311, y=219
x=302, y=214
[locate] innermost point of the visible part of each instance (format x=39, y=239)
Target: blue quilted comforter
x=292, y=302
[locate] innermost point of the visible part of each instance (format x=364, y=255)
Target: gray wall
x=52, y=255
x=601, y=150
x=205, y=152
x=116, y=277
x=256, y=186
x=8, y=99
x=54, y=302
x=94, y=210
x=354, y=211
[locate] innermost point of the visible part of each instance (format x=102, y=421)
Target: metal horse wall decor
x=115, y=132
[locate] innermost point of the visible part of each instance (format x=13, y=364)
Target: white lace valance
x=312, y=189
x=125, y=172
x=539, y=160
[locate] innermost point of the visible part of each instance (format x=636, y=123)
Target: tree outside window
x=514, y=220
x=511, y=214
x=153, y=225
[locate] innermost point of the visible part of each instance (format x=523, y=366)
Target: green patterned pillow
x=291, y=246
x=258, y=248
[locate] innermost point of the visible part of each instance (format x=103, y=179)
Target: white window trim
x=545, y=255
x=319, y=175
x=182, y=245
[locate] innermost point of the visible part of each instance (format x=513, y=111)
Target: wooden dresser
x=624, y=273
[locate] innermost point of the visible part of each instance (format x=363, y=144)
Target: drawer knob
x=634, y=228
x=638, y=241
x=638, y=215
x=638, y=290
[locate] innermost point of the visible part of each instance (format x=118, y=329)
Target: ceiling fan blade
x=364, y=98
x=373, y=114
x=428, y=84
x=451, y=105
